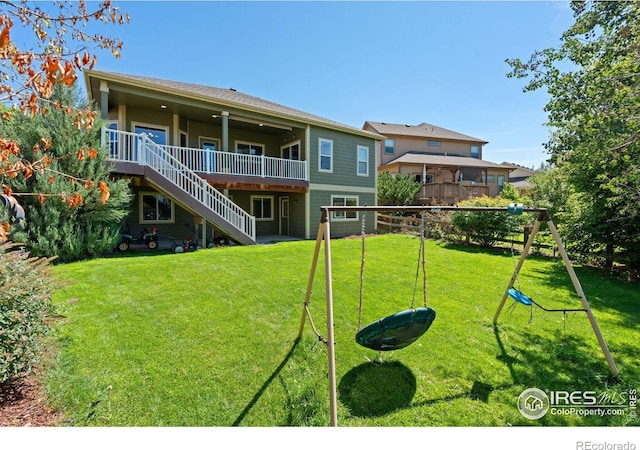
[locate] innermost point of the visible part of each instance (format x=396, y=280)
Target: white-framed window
x=156, y=208
x=344, y=200
x=363, y=161
x=249, y=148
x=325, y=155
x=113, y=138
x=389, y=146
x=475, y=151
x=262, y=207
x=434, y=143
x=157, y=133
x=291, y=151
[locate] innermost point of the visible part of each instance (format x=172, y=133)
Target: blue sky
x=398, y=62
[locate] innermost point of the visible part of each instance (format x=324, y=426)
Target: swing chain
x=424, y=271
x=362, y=232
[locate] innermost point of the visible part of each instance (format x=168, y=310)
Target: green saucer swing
x=397, y=330
x=400, y=329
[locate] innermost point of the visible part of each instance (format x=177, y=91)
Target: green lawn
x=209, y=339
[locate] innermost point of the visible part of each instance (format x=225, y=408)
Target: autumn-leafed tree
x=58, y=46
x=81, y=226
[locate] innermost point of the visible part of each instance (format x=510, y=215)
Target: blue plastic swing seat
x=519, y=297
x=396, y=331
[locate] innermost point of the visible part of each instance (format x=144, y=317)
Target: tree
x=61, y=46
x=594, y=114
x=396, y=189
x=551, y=190
x=510, y=192
x=85, y=227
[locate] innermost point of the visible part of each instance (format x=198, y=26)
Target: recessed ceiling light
x=163, y=106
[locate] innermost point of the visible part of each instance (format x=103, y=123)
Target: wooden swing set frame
x=324, y=234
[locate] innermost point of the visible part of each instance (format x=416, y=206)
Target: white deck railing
x=227, y=163
x=138, y=148
x=123, y=148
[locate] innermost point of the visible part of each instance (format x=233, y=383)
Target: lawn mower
x=184, y=245
x=218, y=241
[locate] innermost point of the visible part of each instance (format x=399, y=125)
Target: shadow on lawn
x=265, y=385
x=370, y=389
x=552, y=361
x=373, y=390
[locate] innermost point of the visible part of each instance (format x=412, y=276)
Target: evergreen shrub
x=25, y=289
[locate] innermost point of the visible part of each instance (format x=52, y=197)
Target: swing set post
x=333, y=397
x=324, y=233
x=516, y=271
x=583, y=298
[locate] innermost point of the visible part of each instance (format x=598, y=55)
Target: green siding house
x=227, y=164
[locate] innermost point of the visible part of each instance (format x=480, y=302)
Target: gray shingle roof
x=229, y=96
x=442, y=160
x=423, y=130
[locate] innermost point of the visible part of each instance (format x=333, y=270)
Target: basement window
x=262, y=207
x=156, y=208
x=344, y=200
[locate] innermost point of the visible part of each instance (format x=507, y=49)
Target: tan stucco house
x=448, y=164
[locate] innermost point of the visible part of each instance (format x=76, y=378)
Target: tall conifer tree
x=76, y=225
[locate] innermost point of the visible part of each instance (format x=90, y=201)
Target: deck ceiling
x=197, y=111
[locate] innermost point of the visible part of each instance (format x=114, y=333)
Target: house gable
x=426, y=138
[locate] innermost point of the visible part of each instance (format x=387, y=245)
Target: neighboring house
x=448, y=164
x=230, y=164
x=519, y=177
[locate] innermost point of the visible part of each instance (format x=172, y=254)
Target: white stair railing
x=138, y=148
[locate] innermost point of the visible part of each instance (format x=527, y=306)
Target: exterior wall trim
x=342, y=188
